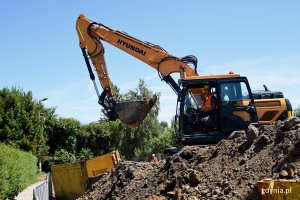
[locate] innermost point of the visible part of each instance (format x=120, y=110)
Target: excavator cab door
x=237, y=109
x=192, y=130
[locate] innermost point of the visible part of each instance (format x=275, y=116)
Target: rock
x=217, y=191
x=204, y=192
x=264, y=139
x=261, y=142
x=224, y=184
x=251, y=133
x=236, y=134
x=291, y=173
x=283, y=174
x=290, y=123
x=208, y=194
x=290, y=169
x=240, y=139
x=243, y=161
x=263, y=128
x=235, y=193
x=171, y=193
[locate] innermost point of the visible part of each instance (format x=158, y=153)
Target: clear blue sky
x=40, y=52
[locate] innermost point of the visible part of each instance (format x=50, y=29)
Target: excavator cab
x=234, y=110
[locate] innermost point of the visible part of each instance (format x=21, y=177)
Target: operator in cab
x=210, y=102
x=207, y=114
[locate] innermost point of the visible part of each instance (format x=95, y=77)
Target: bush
x=62, y=156
x=17, y=171
x=85, y=154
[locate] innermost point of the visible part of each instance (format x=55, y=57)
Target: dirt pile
x=227, y=170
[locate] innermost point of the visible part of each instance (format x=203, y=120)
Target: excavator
x=236, y=105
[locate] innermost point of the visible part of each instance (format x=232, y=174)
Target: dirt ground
x=227, y=170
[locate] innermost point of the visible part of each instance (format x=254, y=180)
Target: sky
x=40, y=50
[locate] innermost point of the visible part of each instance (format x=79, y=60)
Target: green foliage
x=164, y=140
x=17, y=171
x=63, y=156
x=164, y=124
x=140, y=141
x=63, y=134
x=21, y=124
x=105, y=136
x=85, y=154
x=27, y=125
x=102, y=137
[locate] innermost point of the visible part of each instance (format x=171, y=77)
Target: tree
x=20, y=122
x=164, y=124
x=85, y=154
x=63, y=134
x=136, y=142
x=165, y=139
x=101, y=137
x=62, y=156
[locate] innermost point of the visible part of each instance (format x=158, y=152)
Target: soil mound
x=227, y=170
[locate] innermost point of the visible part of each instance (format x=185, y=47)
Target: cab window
x=235, y=91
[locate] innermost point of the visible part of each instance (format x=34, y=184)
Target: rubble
x=227, y=170
x=252, y=133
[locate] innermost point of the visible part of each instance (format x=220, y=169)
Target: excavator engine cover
x=132, y=113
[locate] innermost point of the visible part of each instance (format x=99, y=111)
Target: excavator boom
x=131, y=113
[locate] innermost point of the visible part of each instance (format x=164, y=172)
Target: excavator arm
x=131, y=113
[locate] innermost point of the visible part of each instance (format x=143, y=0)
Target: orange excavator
x=236, y=105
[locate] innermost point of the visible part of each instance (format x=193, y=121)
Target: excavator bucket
x=132, y=113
